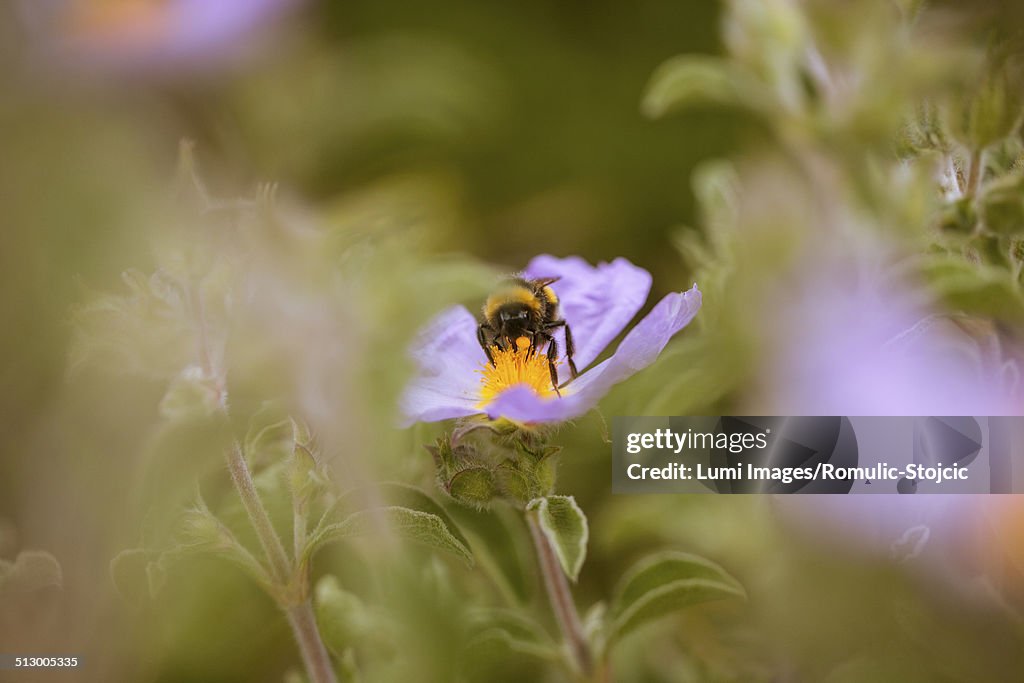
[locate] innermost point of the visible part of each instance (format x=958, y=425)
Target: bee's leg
x=552, y=355
x=570, y=347
x=570, y=351
x=481, y=337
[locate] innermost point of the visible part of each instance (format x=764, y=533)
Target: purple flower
x=132, y=36
x=455, y=379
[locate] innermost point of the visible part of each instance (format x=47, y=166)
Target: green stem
x=298, y=608
x=314, y=654
x=561, y=600
x=241, y=476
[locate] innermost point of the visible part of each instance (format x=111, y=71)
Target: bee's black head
x=507, y=316
x=514, y=320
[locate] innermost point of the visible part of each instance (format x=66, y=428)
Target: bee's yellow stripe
x=507, y=295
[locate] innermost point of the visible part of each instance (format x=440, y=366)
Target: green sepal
x=473, y=486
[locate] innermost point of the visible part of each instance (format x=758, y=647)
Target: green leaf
x=345, y=621
x=199, y=530
x=1002, y=205
x=990, y=114
x=506, y=645
x=958, y=217
x=32, y=570
x=565, y=526
x=416, y=525
x=974, y=288
x=306, y=479
x=403, y=495
x=511, y=631
x=271, y=436
x=687, y=81
x=667, y=582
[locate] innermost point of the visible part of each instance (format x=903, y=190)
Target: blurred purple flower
x=129, y=36
x=871, y=350
x=856, y=347
x=455, y=379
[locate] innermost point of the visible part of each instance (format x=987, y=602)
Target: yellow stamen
x=515, y=366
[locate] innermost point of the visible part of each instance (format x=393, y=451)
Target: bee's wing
x=545, y=281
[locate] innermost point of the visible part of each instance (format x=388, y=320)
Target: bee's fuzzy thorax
x=513, y=293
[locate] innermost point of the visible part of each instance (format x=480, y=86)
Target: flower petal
x=639, y=349
x=596, y=301
x=449, y=358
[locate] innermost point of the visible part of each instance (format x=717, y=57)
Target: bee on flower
x=560, y=313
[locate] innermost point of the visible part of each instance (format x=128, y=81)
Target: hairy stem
x=314, y=654
x=300, y=613
x=561, y=598
x=272, y=548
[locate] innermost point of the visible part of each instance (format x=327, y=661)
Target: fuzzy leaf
x=305, y=478
x=406, y=496
x=565, y=526
x=667, y=582
x=415, y=525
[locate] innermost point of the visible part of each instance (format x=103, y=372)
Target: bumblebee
x=522, y=309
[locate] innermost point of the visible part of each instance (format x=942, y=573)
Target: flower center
x=512, y=367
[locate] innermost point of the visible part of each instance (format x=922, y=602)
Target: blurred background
x=319, y=178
